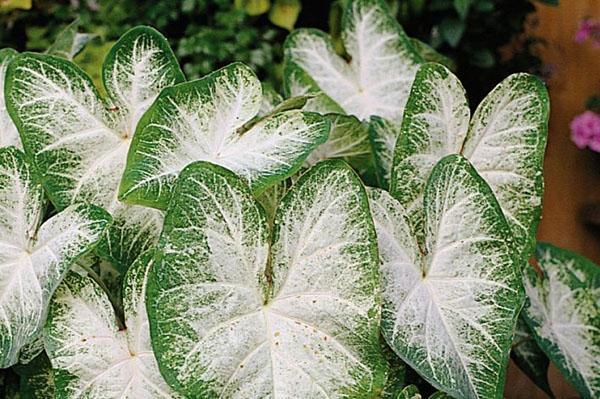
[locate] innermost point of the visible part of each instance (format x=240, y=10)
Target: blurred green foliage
x=483, y=39
x=205, y=34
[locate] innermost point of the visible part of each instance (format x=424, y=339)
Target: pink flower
x=588, y=28
x=585, y=130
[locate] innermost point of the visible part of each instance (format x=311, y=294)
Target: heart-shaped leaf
x=34, y=258
x=79, y=143
x=383, y=63
x=90, y=355
x=451, y=296
x=8, y=131
x=231, y=315
x=505, y=141
x=211, y=119
x=563, y=313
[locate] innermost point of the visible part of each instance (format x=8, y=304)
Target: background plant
x=485, y=40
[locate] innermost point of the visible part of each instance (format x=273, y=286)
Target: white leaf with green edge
x=206, y=120
x=435, y=124
x=69, y=42
x=348, y=140
x=505, y=141
x=383, y=135
x=450, y=298
x=563, y=313
x=91, y=356
x=377, y=79
x=297, y=83
x=34, y=258
x=529, y=357
x=506, y=144
x=79, y=143
x=229, y=319
x=8, y=131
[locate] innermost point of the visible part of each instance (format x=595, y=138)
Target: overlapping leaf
x=229, y=319
x=451, y=293
x=298, y=83
x=348, y=140
x=8, y=131
x=211, y=119
x=383, y=135
x=37, y=379
x=528, y=356
x=79, y=142
x=382, y=63
x=34, y=258
x=91, y=356
x=69, y=42
x=563, y=313
x=505, y=142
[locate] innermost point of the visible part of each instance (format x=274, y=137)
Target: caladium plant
x=238, y=310
x=374, y=79
x=92, y=355
x=380, y=69
x=563, y=313
x=276, y=272
x=451, y=292
x=505, y=141
x=213, y=119
x=79, y=141
x=34, y=256
x=68, y=43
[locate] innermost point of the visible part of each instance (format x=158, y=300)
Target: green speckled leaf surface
x=79, y=142
x=34, y=258
x=450, y=297
x=563, y=313
x=229, y=319
x=205, y=120
x=91, y=356
x=376, y=80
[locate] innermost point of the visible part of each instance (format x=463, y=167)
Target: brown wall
x=572, y=176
